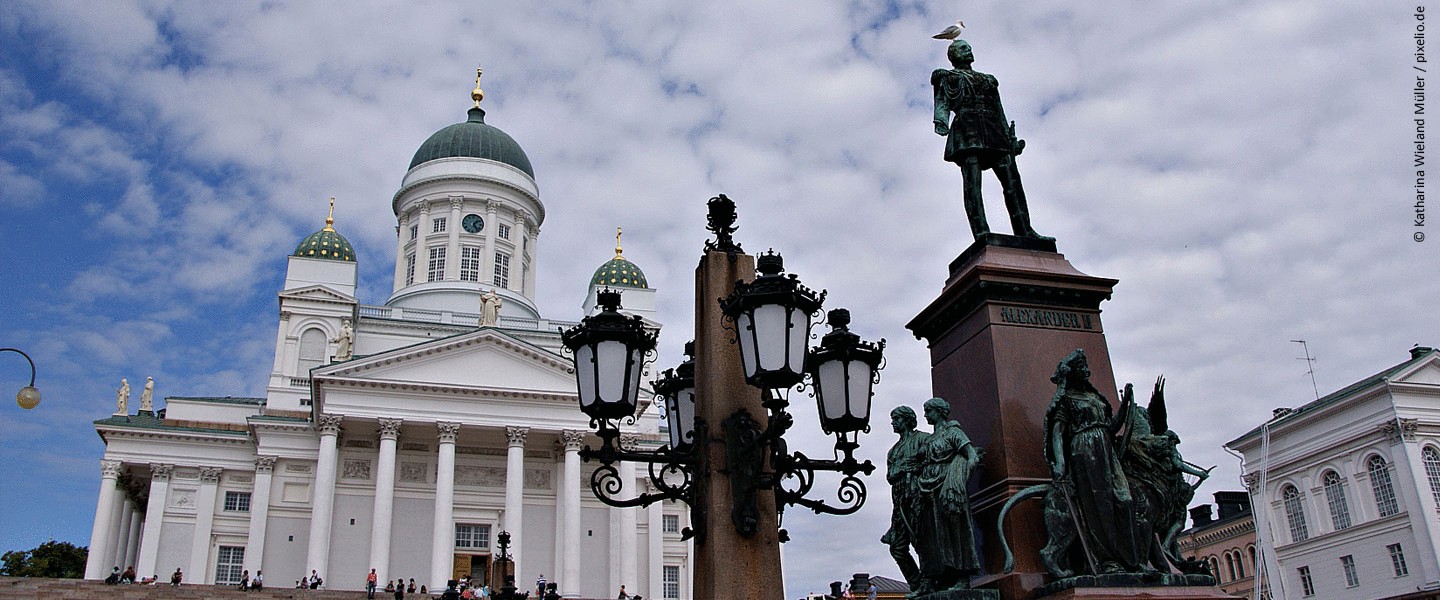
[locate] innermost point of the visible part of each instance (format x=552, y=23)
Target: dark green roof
x=619, y=272
x=1418, y=354
x=326, y=244
x=157, y=422
x=473, y=139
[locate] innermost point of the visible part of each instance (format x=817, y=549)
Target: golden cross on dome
x=617, y=243
x=477, y=94
x=330, y=219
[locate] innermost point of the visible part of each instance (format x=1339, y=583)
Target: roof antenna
x=1310, y=362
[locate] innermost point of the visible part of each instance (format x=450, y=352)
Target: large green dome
x=473, y=139
x=326, y=244
x=618, y=272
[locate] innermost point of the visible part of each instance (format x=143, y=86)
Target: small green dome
x=473, y=139
x=326, y=244
x=619, y=272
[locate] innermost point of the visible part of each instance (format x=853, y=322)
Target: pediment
x=487, y=359
x=318, y=293
x=1427, y=372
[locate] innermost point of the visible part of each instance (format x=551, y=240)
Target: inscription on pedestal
x=1042, y=317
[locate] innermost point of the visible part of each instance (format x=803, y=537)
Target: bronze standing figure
x=979, y=138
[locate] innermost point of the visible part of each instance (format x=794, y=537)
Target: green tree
x=51, y=559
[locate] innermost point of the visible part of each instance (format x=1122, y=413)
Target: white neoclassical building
x=1346, y=489
x=403, y=437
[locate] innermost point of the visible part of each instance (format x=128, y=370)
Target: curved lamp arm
x=29, y=396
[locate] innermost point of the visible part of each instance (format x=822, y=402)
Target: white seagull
x=950, y=32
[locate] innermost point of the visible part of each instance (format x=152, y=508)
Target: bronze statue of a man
x=902, y=469
x=979, y=138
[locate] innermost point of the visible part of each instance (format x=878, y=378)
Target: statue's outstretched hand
x=941, y=128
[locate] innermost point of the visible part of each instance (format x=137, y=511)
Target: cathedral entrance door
x=477, y=566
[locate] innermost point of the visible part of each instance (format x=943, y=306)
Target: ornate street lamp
x=610, y=352
x=506, y=589
x=843, y=371
x=29, y=396
x=771, y=318
x=676, y=389
x=772, y=323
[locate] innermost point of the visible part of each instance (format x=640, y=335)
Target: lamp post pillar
x=727, y=564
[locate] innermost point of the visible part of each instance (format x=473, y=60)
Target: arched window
x=1380, y=484
x=312, y=351
x=1214, y=567
x=1432, y=471
x=1239, y=565
x=1254, y=564
x=1230, y=566
x=1295, y=513
x=1335, y=497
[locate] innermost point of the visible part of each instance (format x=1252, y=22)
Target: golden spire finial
x=618, y=251
x=477, y=94
x=330, y=219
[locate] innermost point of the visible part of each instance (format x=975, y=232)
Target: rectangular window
x=1397, y=560
x=1307, y=585
x=229, y=563
x=504, y=231
x=502, y=269
x=438, y=225
x=410, y=268
x=670, y=581
x=436, y=271
x=670, y=523
x=1352, y=578
x=469, y=263
x=237, y=501
x=472, y=536
x=414, y=231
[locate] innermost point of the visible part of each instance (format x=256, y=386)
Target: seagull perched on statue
x=950, y=32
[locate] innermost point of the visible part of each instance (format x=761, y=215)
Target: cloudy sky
x=1243, y=168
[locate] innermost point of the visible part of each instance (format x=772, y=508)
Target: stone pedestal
x=974, y=594
x=1129, y=586
x=1006, y=317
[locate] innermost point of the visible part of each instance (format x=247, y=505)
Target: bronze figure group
x=928, y=474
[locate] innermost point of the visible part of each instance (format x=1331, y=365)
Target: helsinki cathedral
x=402, y=437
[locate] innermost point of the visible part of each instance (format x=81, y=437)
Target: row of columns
x=126, y=537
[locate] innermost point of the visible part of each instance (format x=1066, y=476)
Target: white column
x=317, y=557
x=154, y=517
x=655, y=540
x=204, y=525
x=442, y=538
x=520, y=264
x=569, y=489
x=402, y=232
x=259, y=513
x=282, y=332
x=122, y=537
x=515, y=492
x=487, y=268
x=384, y=499
x=101, y=533
x=132, y=545
x=117, y=519
x=629, y=569
x=452, y=227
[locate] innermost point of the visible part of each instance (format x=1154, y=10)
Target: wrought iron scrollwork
x=671, y=474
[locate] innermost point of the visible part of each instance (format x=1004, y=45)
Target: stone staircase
x=17, y=588
x=26, y=588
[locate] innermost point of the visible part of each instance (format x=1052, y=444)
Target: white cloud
x=1239, y=169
